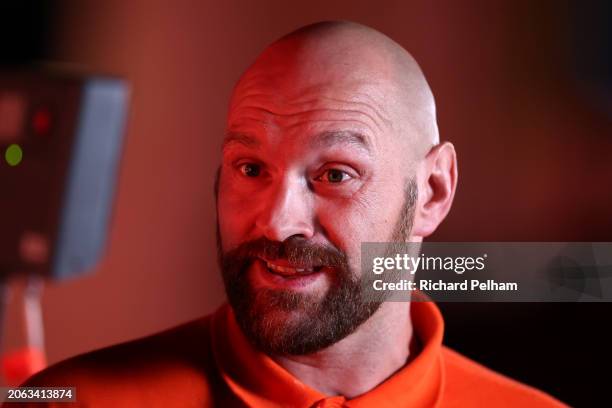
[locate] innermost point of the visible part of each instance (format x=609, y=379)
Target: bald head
x=349, y=57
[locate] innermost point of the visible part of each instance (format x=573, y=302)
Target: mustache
x=294, y=249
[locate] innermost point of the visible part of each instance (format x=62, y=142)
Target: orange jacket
x=208, y=362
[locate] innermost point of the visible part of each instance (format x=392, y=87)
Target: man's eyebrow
x=324, y=139
x=330, y=138
x=245, y=139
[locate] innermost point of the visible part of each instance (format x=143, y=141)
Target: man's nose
x=287, y=212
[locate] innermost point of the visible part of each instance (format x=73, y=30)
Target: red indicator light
x=41, y=121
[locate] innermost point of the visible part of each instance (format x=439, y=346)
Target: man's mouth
x=287, y=270
x=280, y=273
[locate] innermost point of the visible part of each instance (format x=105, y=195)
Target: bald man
x=331, y=141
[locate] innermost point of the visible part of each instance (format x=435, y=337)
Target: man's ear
x=437, y=181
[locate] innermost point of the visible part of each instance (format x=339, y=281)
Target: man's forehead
x=296, y=98
x=356, y=103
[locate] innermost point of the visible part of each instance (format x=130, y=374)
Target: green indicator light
x=13, y=155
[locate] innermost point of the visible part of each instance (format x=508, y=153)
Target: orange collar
x=260, y=382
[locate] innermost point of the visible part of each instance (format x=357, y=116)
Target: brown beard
x=284, y=322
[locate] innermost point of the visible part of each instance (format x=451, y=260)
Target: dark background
x=523, y=91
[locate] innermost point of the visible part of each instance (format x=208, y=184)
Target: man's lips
x=287, y=269
x=287, y=278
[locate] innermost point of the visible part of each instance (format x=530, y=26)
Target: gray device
x=56, y=202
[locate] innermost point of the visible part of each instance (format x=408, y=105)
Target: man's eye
x=250, y=169
x=334, y=176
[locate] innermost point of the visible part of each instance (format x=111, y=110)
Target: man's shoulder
x=153, y=370
x=470, y=382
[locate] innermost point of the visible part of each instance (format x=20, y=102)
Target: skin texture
x=325, y=131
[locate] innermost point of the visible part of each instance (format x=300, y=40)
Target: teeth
x=286, y=270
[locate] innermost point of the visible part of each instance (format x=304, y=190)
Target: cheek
x=347, y=225
x=234, y=218
x=369, y=219
x=227, y=227
x=365, y=218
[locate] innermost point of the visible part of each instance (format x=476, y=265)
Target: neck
x=362, y=360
